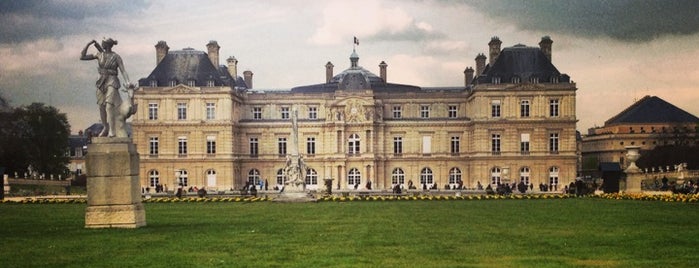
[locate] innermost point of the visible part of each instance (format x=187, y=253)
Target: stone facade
x=647, y=123
x=357, y=127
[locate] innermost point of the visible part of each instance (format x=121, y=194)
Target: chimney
x=233, y=67
x=494, y=45
x=247, y=75
x=480, y=64
x=161, y=50
x=382, y=70
x=213, y=48
x=545, y=45
x=468, y=75
x=329, y=72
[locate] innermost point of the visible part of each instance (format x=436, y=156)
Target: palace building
x=647, y=123
x=513, y=119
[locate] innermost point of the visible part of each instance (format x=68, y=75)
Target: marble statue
x=113, y=112
x=294, y=162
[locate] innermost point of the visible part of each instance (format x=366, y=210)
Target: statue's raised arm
x=113, y=112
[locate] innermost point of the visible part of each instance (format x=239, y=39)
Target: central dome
x=355, y=77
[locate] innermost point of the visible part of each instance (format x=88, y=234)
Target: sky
x=615, y=51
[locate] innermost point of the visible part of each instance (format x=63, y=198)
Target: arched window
x=354, y=177
x=454, y=176
x=353, y=144
x=426, y=176
x=254, y=176
x=182, y=177
x=398, y=176
x=495, y=176
x=280, y=177
x=153, y=178
x=211, y=178
x=553, y=177
x=311, y=177
x=524, y=175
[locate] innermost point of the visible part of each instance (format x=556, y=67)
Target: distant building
x=648, y=123
x=201, y=124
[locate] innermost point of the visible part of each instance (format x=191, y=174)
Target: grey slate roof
x=356, y=77
x=189, y=64
x=524, y=62
x=651, y=109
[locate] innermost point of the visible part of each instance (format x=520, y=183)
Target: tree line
x=33, y=135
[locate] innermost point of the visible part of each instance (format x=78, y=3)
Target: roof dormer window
x=495, y=80
x=153, y=83
x=534, y=80
x=516, y=80
x=210, y=83
x=173, y=83
x=191, y=82
x=554, y=79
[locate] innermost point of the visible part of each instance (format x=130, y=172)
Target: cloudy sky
x=616, y=51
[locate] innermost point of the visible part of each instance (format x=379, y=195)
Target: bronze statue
x=112, y=112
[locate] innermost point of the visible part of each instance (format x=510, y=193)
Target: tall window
x=397, y=112
x=182, y=145
x=254, y=147
x=153, y=178
x=210, y=111
x=182, y=178
x=553, y=142
x=285, y=113
x=455, y=144
x=524, y=106
x=524, y=175
x=153, y=145
x=257, y=113
x=524, y=143
x=553, y=107
x=281, y=177
x=254, y=177
x=495, y=143
x=281, y=146
x=311, y=145
x=495, y=176
x=313, y=112
x=553, y=177
x=353, y=144
x=311, y=177
x=152, y=111
x=426, y=176
x=210, y=144
x=424, y=111
x=397, y=145
x=181, y=111
x=426, y=145
x=398, y=177
x=354, y=177
x=452, y=111
x=495, y=108
x=454, y=176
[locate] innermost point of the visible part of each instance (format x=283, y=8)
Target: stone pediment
x=181, y=89
x=355, y=110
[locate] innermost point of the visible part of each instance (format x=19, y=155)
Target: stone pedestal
x=113, y=187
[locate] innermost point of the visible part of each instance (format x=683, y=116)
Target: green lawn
x=582, y=232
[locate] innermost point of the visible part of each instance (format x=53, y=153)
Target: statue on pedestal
x=295, y=166
x=113, y=112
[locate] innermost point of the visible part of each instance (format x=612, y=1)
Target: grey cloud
x=623, y=20
x=29, y=20
x=412, y=33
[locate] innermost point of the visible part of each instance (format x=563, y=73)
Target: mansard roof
x=523, y=62
x=651, y=109
x=188, y=64
x=358, y=78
